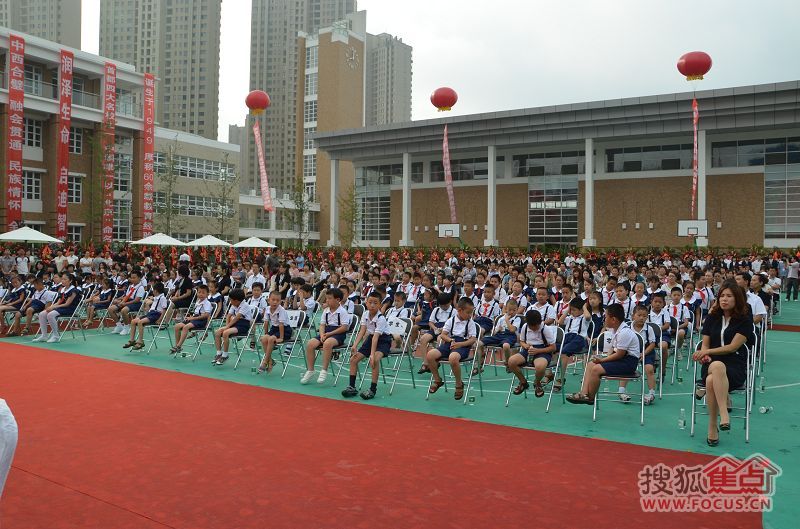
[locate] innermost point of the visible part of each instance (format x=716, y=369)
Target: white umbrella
x=159, y=239
x=26, y=234
x=208, y=240
x=253, y=242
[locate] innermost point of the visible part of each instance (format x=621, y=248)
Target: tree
x=225, y=192
x=298, y=215
x=349, y=216
x=167, y=218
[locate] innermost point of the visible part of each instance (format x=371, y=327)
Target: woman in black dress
x=726, y=330
x=182, y=296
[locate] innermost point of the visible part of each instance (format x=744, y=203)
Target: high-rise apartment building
x=55, y=20
x=388, y=87
x=274, y=56
x=178, y=41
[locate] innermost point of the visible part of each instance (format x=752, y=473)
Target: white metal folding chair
x=637, y=376
x=467, y=364
x=71, y=323
x=399, y=327
x=555, y=362
x=162, y=324
x=216, y=321
x=341, y=355
x=296, y=320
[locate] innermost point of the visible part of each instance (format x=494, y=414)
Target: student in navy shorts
x=439, y=315
x=279, y=331
x=537, y=343
x=458, y=335
x=237, y=323
x=157, y=308
x=333, y=328
x=622, y=360
x=101, y=300
x=640, y=326
x=576, y=322
x=197, y=321
x=504, y=335
x=375, y=338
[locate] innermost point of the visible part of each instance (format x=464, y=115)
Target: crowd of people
x=461, y=305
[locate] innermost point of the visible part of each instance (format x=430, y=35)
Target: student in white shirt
x=543, y=307
x=458, y=335
x=157, y=309
x=504, y=335
x=757, y=308
x=197, y=321
x=280, y=331
x=537, y=343
x=639, y=325
x=622, y=360
x=624, y=301
x=439, y=315
x=678, y=310
x=333, y=329
x=375, y=338
x=307, y=302
x=238, y=322
x=518, y=295
x=129, y=303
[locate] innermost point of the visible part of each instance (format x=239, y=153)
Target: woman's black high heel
x=712, y=442
x=725, y=426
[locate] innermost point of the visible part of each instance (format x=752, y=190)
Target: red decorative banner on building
x=107, y=148
x=448, y=178
x=148, y=173
x=62, y=155
x=695, y=120
x=265, y=194
x=16, y=130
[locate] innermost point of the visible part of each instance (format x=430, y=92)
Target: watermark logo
x=726, y=484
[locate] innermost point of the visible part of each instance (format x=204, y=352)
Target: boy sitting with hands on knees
x=504, y=336
x=377, y=339
x=537, y=343
x=279, y=330
x=458, y=335
x=332, y=332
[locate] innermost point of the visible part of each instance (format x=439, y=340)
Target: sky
x=508, y=54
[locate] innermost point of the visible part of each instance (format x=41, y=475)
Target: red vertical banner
x=107, y=148
x=16, y=130
x=266, y=196
x=62, y=158
x=448, y=177
x=695, y=120
x=148, y=172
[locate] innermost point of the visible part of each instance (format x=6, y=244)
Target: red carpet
x=115, y=446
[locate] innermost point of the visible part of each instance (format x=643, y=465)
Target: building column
x=588, y=199
x=491, y=194
x=273, y=223
x=405, y=239
x=333, y=239
x=701, y=183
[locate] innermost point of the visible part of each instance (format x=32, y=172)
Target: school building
x=614, y=173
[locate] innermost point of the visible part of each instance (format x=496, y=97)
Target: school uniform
x=644, y=300
x=608, y=296
x=217, y=300
x=16, y=297
x=649, y=336
x=280, y=316
x=414, y=294
x=502, y=333
x=624, y=338
x=627, y=306
x=333, y=320
x=556, y=293
x=439, y=317
x=660, y=318
x=39, y=300
x=157, y=308
x=598, y=319
x=706, y=300
x=135, y=292
x=473, y=298
x=247, y=313
x=402, y=312
x=576, y=330
x=539, y=338
x=486, y=312
x=259, y=304
x=424, y=310
x=376, y=324
x=521, y=300
x=104, y=300
x=561, y=307
x=547, y=311
x=680, y=312
x=310, y=306
x=200, y=308
x=63, y=296
x=350, y=307
x=459, y=330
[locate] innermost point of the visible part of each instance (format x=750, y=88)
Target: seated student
x=376, y=340
x=333, y=328
x=101, y=300
x=706, y=294
x=640, y=326
x=68, y=299
x=660, y=316
x=610, y=291
x=622, y=359
x=307, y=303
x=399, y=309
x=458, y=335
x=623, y=300
x=639, y=296
x=576, y=335
x=654, y=286
x=34, y=304
x=123, y=306
x=774, y=282
x=14, y=299
x=562, y=305
x=469, y=292
x=543, y=307
x=692, y=301
x=292, y=296
x=197, y=321
x=678, y=310
x=440, y=314
x=238, y=322
x=518, y=296
x=404, y=284
x=348, y=304
x=423, y=315
x=504, y=335
x=537, y=343
x=158, y=306
x=415, y=291
x=488, y=309
x=757, y=284
x=217, y=300
x=279, y=330
x=258, y=301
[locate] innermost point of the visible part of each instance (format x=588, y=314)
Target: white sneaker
x=126, y=329
x=118, y=329
x=39, y=338
x=649, y=399
x=323, y=376
x=54, y=338
x=307, y=376
x=624, y=397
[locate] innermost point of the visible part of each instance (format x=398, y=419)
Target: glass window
x=312, y=56
x=553, y=210
x=782, y=201
x=649, y=158
x=33, y=132
x=122, y=220
x=308, y=141
x=74, y=233
x=122, y=172
x=310, y=111
x=310, y=165
x=311, y=84
x=75, y=140
x=74, y=189
x=416, y=172
x=32, y=185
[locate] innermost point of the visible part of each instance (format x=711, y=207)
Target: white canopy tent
x=26, y=234
x=158, y=239
x=208, y=240
x=254, y=242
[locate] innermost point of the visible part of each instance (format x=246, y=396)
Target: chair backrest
x=296, y=318
x=599, y=345
x=358, y=310
x=560, y=335
x=656, y=330
x=400, y=326
x=673, y=324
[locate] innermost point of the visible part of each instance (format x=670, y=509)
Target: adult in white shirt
x=60, y=260
x=8, y=441
x=757, y=308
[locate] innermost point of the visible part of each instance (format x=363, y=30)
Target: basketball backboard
x=692, y=228
x=449, y=230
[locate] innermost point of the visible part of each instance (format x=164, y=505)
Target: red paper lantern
x=257, y=101
x=694, y=65
x=444, y=98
